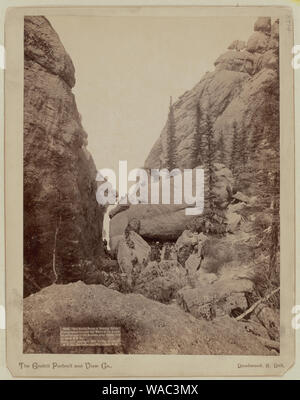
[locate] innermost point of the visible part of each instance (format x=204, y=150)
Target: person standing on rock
x=133, y=252
x=189, y=247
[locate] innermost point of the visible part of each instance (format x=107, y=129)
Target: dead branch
x=252, y=308
x=54, y=250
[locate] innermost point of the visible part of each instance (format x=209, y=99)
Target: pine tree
x=194, y=149
x=210, y=152
x=170, y=139
x=234, y=150
x=196, y=145
x=221, y=149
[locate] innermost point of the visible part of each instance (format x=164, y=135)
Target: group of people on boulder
x=134, y=253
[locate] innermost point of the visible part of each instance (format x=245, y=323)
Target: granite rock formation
x=237, y=92
x=148, y=327
x=62, y=220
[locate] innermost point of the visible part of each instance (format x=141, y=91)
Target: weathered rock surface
x=263, y=24
x=257, y=43
x=61, y=215
x=133, y=253
x=160, y=281
x=240, y=61
x=167, y=222
x=270, y=319
x=237, y=45
x=159, y=222
x=233, y=218
x=148, y=327
x=220, y=298
x=217, y=89
x=235, y=93
x=43, y=46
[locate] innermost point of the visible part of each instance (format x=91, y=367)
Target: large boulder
x=237, y=45
x=263, y=24
x=233, y=218
x=240, y=61
x=270, y=60
x=158, y=221
x=270, y=319
x=222, y=297
x=133, y=254
x=161, y=281
x=168, y=221
x=147, y=326
x=258, y=42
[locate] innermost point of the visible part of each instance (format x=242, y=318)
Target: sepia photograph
x=153, y=170
x=171, y=283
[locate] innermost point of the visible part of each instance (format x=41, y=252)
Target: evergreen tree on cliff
x=170, y=149
x=196, y=146
x=209, y=154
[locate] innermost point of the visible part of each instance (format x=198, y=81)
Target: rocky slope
x=243, y=83
x=62, y=220
x=148, y=327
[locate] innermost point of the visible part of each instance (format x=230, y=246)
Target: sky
x=127, y=68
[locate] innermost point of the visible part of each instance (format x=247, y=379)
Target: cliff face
x=238, y=92
x=62, y=220
x=236, y=109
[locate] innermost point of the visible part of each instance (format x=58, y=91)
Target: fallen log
x=252, y=308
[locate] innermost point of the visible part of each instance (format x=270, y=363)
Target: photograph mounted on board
x=152, y=162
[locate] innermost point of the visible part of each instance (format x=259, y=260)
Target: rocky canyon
x=175, y=284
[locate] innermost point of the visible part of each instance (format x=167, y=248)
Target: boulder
x=270, y=319
x=133, y=254
x=147, y=326
x=237, y=45
x=158, y=221
x=168, y=221
x=241, y=197
x=233, y=220
x=161, y=281
x=236, y=61
x=258, y=42
x=270, y=60
x=193, y=263
x=196, y=274
x=185, y=245
x=263, y=24
x=223, y=297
